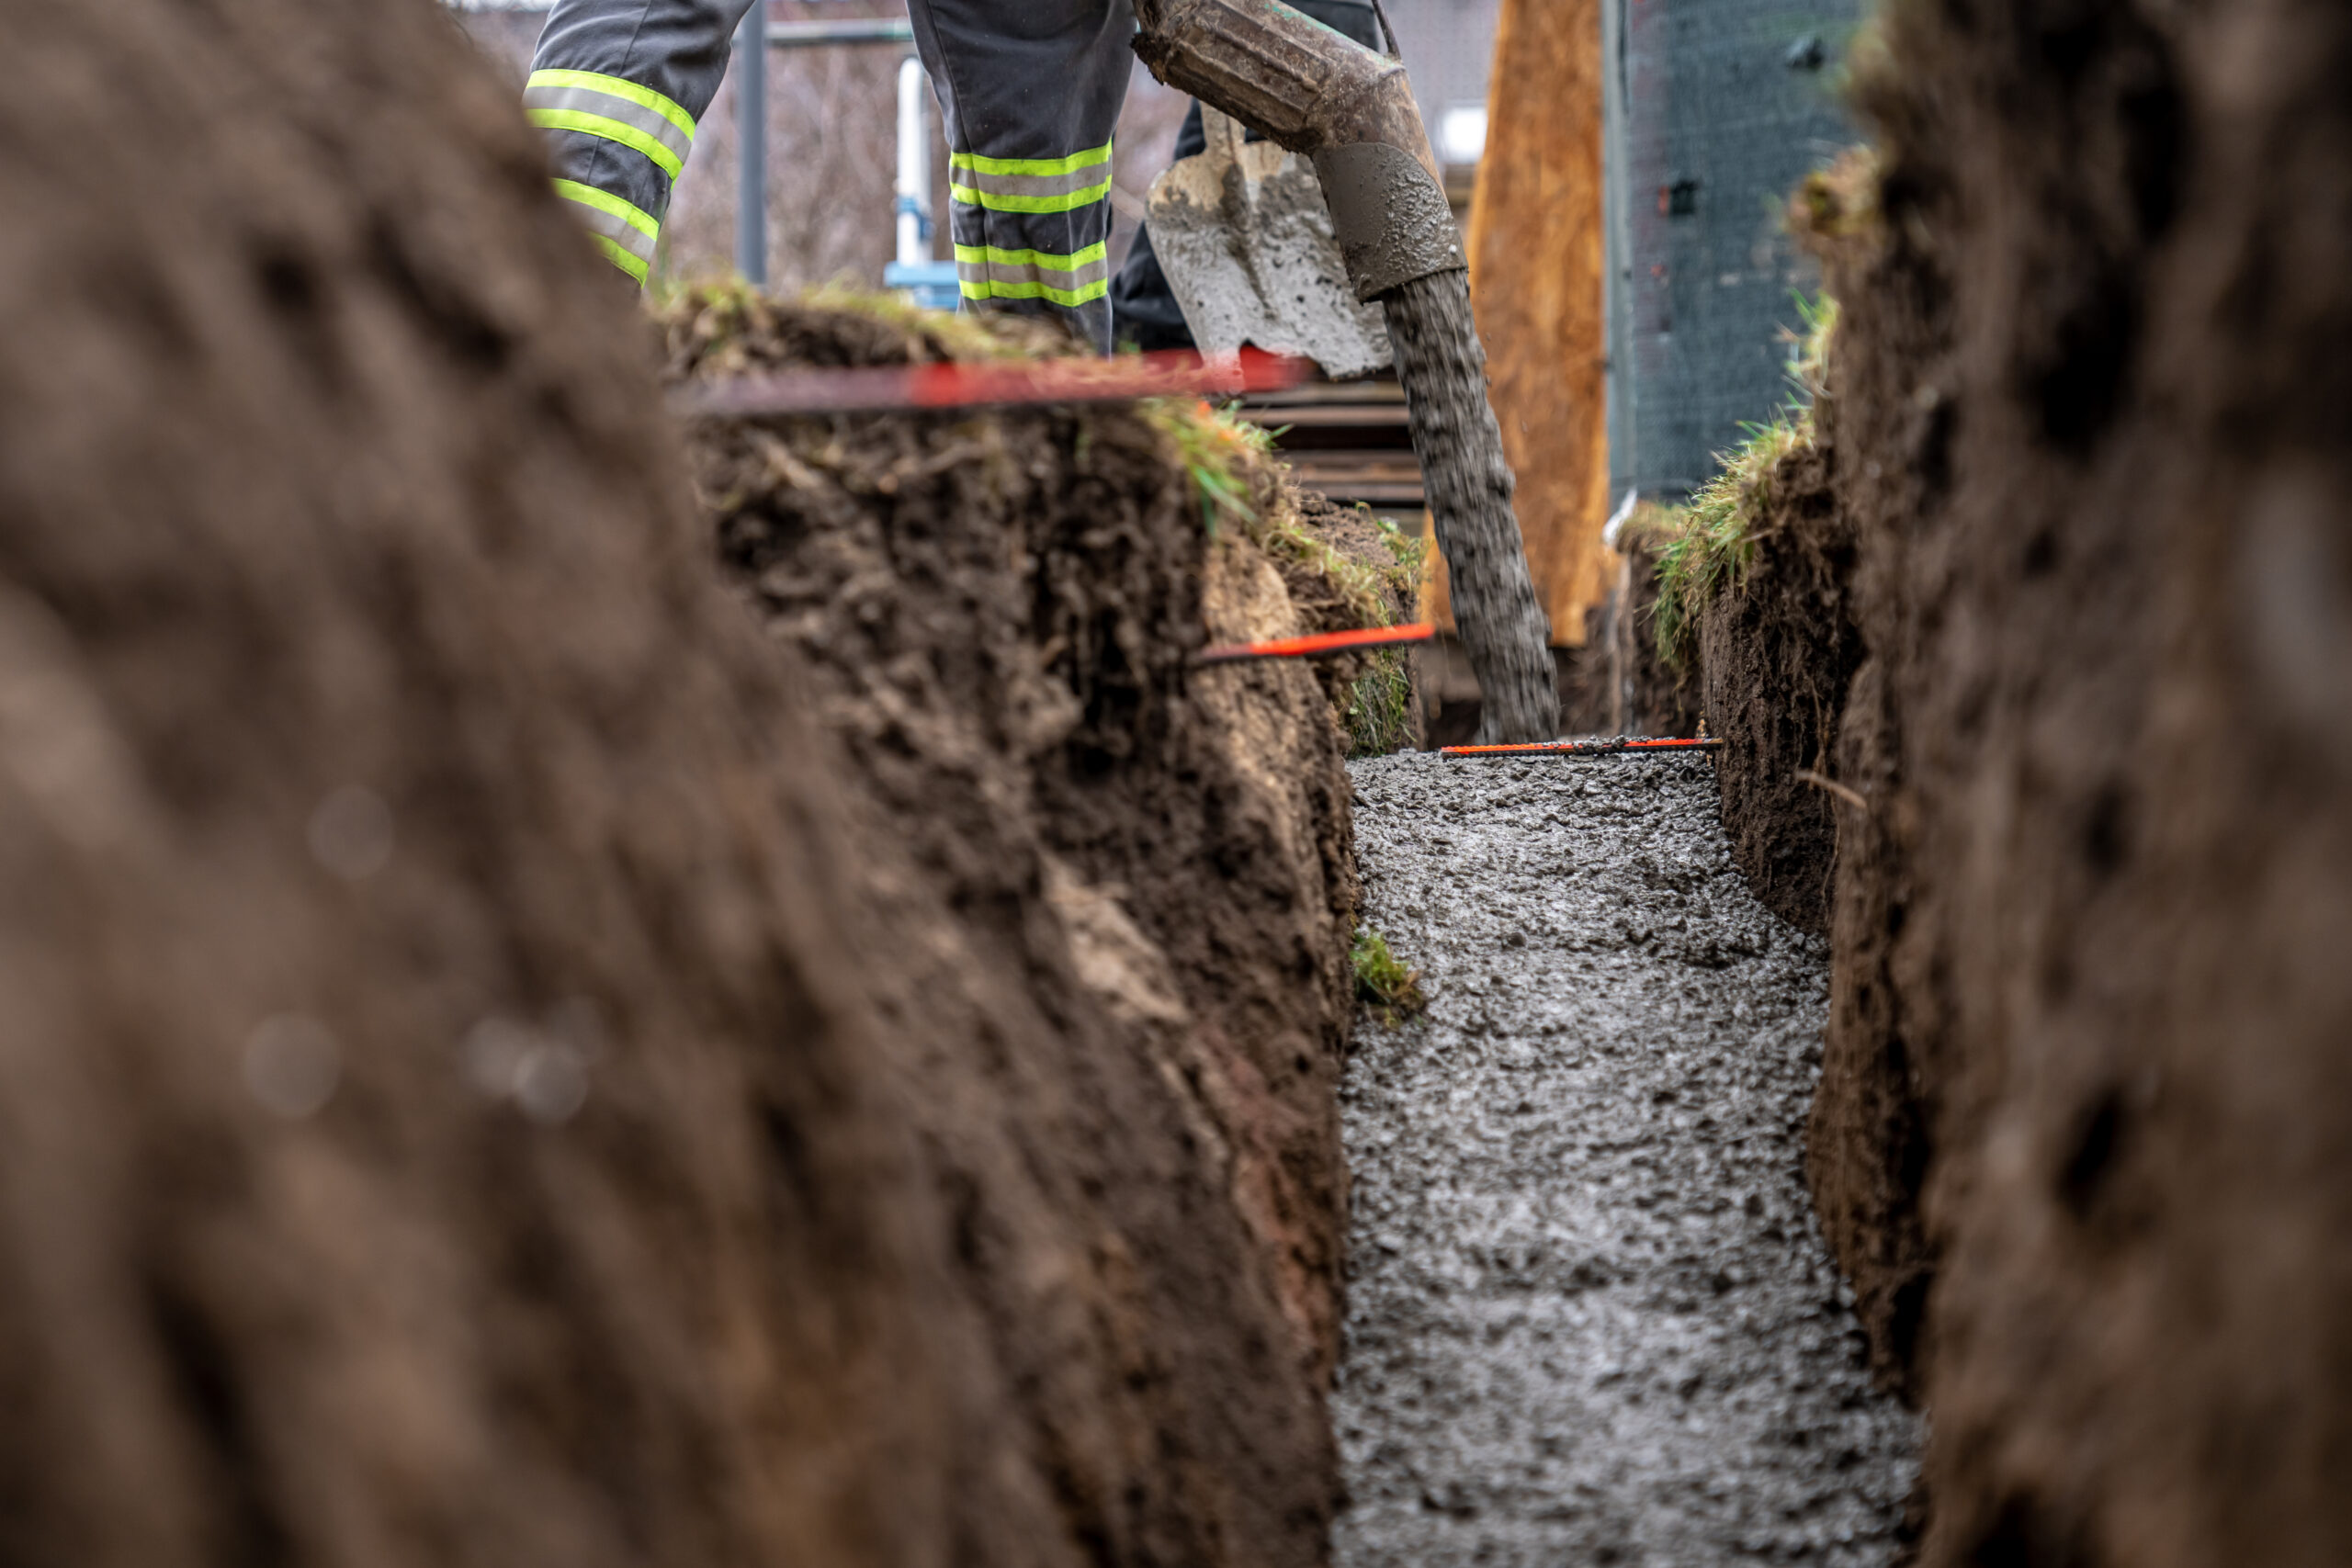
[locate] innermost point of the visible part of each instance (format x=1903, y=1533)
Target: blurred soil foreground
x=505, y=1063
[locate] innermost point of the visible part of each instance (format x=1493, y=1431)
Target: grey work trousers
x=1031, y=90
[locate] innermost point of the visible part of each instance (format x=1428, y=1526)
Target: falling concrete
x=1591, y=1317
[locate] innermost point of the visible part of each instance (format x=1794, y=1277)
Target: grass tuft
x=1382, y=984
x=1379, y=717
x=1228, y=457
x=1377, y=710
x=1708, y=545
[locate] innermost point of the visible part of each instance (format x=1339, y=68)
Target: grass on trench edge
x=1708, y=545
x=1378, y=714
x=1231, y=462
x=1392, y=991
x=1228, y=458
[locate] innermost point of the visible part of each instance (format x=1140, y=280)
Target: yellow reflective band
x=605, y=201
x=610, y=130
x=619, y=87
x=1099, y=251
x=980, y=165
x=633, y=265
x=996, y=202
x=1072, y=297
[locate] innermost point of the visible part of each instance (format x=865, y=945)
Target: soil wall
x=507, y=1064
x=2081, y=1138
x=997, y=612
x=1777, y=649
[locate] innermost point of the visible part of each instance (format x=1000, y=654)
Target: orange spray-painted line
x=895, y=389
x=1322, y=642
x=1580, y=748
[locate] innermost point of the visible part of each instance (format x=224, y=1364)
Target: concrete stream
x=1591, y=1317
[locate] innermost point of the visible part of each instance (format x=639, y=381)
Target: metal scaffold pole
x=926, y=281
x=914, y=166
x=752, y=137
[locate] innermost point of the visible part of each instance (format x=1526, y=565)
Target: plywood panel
x=1535, y=279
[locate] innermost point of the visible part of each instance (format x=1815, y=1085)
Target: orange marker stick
x=1321, y=643
x=886, y=389
x=1579, y=748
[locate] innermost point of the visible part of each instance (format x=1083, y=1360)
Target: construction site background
x=832, y=128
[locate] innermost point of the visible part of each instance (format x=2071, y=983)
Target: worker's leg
x=1031, y=90
x=1143, y=307
x=618, y=87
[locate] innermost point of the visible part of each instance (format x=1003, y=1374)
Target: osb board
x=1536, y=281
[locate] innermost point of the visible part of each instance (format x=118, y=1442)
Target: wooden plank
x=1536, y=282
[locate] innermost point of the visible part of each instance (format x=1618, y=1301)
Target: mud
x=1590, y=1317
x=1495, y=609
x=507, y=1063
x=2082, y=1135
x=431, y=1086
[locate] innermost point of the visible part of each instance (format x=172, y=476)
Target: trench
x=1591, y=1319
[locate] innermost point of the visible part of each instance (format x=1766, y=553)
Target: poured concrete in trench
x=1591, y=1317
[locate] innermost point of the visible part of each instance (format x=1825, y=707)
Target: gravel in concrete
x=1591, y=1317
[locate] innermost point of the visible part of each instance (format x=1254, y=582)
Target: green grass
x=1380, y=706
x=1368, y=589
x=1707, y=546
x=1226, y=456
x=1378, y=714
x=1392, y=991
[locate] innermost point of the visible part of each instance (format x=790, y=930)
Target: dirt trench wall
x=462, y=1097
x=2081, y=1139
x=998, y=612
x=1776, y=649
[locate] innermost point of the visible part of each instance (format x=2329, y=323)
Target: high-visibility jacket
x=1030, y=90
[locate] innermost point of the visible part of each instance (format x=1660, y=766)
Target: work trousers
x=1030, y=89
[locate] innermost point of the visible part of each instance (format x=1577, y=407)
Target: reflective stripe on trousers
x=1030, y=184
x=637, y=117
x=1030, y=91
x=989, y=272
x=626, y=234
x=618, y=87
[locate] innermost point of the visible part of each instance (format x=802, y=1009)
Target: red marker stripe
x=1322, y=642
x=1579, y=747
x=884, y=388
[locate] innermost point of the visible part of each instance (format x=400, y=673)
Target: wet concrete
x=1590, y=1317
